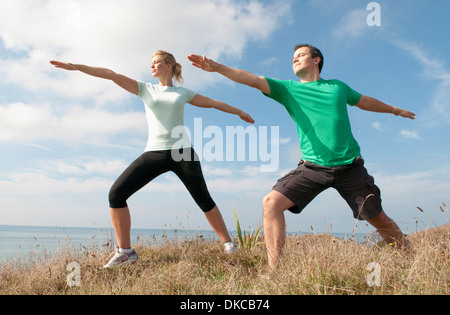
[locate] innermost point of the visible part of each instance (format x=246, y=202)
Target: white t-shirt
x=164, y=106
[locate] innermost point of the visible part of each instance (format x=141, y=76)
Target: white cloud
x=378, y=126
x=80, y=167
x=82, y=175
x=269, y=62
x=409, y=134
x=122, y=35
x=433, y=69
x=353, y=24
x=22, y=122
x=40, y=184
x=405, y=192
x=441, y=101
x=216, y=171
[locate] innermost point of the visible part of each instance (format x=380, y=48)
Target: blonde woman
x=164, y=106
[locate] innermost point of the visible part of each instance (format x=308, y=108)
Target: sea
x=31, y=242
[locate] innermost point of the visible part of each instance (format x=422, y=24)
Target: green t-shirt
x=319, y=110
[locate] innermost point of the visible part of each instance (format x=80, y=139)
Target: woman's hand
x=124, y=82
x=63, y=65
x=246, y=117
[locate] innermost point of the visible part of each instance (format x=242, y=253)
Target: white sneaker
x=122, y=259
x=230, y=248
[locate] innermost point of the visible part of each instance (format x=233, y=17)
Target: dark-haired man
x=331, y=157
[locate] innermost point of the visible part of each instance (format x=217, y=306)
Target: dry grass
x=312, y=264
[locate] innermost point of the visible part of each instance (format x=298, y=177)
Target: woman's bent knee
x=116, y=200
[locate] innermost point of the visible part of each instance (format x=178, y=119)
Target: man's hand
x=203, y=63
x=236, y=75
x=374, y=105
x=405, y=113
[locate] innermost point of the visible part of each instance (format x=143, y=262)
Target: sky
x=65, y=137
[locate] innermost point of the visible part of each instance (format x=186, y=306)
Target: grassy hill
x=312, y=264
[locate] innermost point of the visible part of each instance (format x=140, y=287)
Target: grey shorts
x=352, y=182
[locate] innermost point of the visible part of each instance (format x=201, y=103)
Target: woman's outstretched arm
x=124, y=82
x=205, y=102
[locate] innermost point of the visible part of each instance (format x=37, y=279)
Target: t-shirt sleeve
x=353, y=97
x=277, y=90
x=189, y=95
x=141, y=86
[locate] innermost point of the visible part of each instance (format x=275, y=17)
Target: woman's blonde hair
x=176, y=67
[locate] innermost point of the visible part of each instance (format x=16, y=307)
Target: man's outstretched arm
x=236, y=75
x=374, y=105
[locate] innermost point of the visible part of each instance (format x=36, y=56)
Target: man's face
x=302, y=62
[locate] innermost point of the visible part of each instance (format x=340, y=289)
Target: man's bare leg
x=389, y=230
x=274, y=205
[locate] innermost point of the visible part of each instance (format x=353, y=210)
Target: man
x=331, y=156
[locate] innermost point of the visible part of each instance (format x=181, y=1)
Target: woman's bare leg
x=121, y=220
x=215, y=219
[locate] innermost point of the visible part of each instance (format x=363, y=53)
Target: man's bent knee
x=269, y=202
x=275, y=202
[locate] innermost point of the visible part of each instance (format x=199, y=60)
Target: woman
x=164, y=106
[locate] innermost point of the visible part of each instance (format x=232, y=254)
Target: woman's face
x=159, y=67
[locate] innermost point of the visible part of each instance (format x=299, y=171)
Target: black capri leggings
x=154, y=163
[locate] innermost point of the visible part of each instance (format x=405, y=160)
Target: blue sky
x=65, y=137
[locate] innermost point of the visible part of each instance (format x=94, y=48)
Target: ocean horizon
x=22, y=242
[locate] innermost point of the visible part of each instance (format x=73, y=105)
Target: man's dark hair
x=315, y=52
